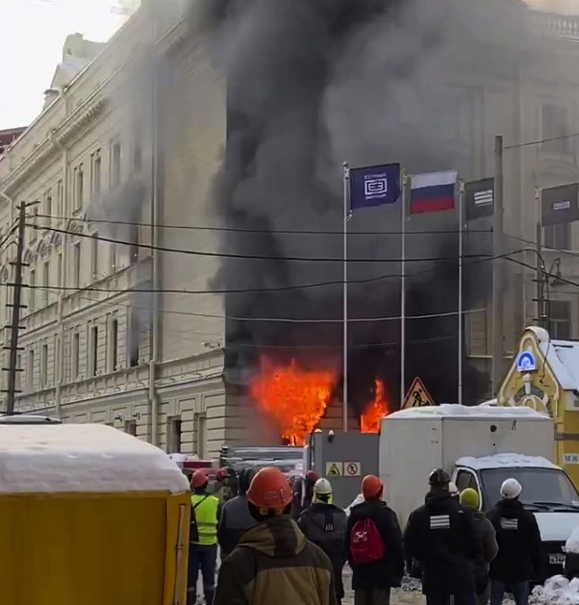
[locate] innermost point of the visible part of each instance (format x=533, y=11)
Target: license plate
x=556, y=559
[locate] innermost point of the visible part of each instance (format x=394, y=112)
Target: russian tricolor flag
x=432, y=191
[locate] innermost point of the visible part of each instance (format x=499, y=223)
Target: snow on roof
x=562, y=357
x=476, y=411
x=505, y=461
x=82, y=458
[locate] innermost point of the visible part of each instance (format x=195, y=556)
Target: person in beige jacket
x=470, y=498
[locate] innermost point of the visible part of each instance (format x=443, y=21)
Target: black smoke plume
x=314, y=83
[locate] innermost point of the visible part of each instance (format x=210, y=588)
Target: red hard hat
x=222, y=473
x=312, y=476
x=199, y=478
x=372, y=486
x=270, y=489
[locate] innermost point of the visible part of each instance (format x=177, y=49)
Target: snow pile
x=505, y=461
x=74, y=458
x=558, y=590
x=482, y=411
x=572, y=544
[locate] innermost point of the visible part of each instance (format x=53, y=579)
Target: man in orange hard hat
x=273, y=561
x=374, y=546
x=205, y=513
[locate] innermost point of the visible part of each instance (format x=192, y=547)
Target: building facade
x=121, y=326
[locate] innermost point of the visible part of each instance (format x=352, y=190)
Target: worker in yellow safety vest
x=205, y=513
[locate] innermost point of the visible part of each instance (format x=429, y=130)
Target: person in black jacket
x=442, y=536
x=324, y=524
x=235, y=516
x=519, y=539
x=372, y=582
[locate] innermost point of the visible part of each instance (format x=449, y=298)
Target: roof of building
x=81, y=458
x=562, y=357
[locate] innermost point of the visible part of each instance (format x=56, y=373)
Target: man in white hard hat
x=519, y=540
x=325, y=525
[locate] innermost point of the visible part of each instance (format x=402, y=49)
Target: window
x=32, y=291
x=559, y=319
x=75, y=355
x=34, y=223
x=45, y=283
x=59, y=199
x=133, y=340
x=138, y=150
x=131, y=427
x=113, y=345
x=557, y=237
x=115, y=163
x=48, y=208
x=56, y=366
x=59, y=281
x=44, y=366
x=174, y=435
x=18, y=373
x=465, y=479
x=78, y=187
x=555, y=125
x=112, y=257
x=478, y=330
x=76, y=265
x=94, y=351
x=94, y=255
x=134, y=237
x=201, y=441
x=30, y=370
x=96, y=174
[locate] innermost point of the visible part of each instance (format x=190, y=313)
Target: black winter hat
x=438, y=478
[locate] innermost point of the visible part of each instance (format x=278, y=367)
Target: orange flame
x=297, y=398
x=376, y=410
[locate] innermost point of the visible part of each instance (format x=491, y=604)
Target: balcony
x=555, y=26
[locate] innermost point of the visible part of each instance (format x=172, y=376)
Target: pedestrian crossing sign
x=417, y=396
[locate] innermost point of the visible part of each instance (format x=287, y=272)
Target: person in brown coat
x=470, y=498
x=273, y=562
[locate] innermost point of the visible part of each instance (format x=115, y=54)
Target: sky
x=32, y=34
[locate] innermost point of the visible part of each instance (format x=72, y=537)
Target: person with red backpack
x=374, y=546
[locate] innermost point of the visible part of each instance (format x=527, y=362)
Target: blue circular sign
x=526, y=362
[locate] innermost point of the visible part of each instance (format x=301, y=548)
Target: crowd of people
x=282, y=542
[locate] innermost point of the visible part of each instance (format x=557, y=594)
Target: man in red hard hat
x=273, y=561
x=205, y=514
x=374, y=546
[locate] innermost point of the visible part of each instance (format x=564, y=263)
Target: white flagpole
x=346, y=183
x=404, y=183
x=460, y=258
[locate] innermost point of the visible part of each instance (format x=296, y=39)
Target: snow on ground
x=557, y=590
x=480, y=411
x=75, y=458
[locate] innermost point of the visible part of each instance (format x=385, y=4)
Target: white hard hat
x=322, y=487
x=511, y=489
x=452, y=489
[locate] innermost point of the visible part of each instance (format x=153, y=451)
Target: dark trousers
x=374, y=596
x=458, y=599
x=520, y=590
x=204, y=558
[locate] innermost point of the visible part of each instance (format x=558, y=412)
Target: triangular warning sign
x=334, y=470
x=417, y=395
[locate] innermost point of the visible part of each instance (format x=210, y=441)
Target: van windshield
x=541, y=486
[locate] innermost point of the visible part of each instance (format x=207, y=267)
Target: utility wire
x=540, y=141
x=261, y=231
x=247, y=256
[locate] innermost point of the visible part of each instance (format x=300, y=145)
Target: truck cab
x=548, y=493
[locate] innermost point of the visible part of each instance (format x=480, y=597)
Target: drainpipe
x=62, y=293
x=156, y=187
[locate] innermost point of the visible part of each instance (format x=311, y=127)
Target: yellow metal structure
x=121, y=548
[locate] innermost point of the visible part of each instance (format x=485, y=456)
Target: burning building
x=309, y=85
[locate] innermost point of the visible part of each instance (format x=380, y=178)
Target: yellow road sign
x=417, y=396
x=334, y=469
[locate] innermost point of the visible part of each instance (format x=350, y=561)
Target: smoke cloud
x=314, y=83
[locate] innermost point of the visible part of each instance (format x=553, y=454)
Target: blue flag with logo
x=373, y=186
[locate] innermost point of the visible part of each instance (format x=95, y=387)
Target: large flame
x=297, y=398
x=376, y=410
